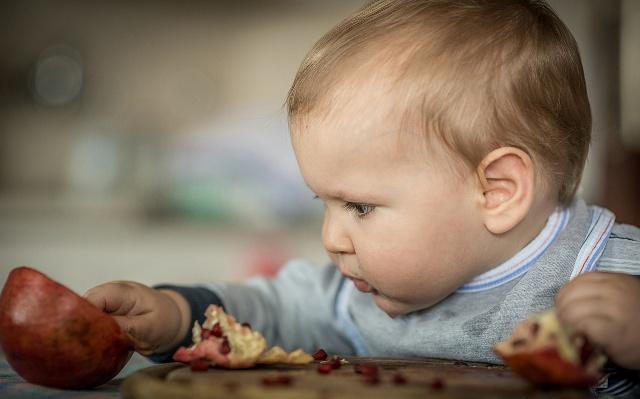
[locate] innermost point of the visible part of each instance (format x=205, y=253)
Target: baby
x=446, y=140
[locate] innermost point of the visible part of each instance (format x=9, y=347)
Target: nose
x=334, y=235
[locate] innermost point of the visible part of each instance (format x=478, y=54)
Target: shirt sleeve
x=199, y=298
x=620, y=384
x=622, y=253
x=296, y=309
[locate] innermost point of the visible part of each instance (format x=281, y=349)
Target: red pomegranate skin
x=545, y=367
x=53, y=337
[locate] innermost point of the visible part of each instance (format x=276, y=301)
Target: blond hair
x=479, y=75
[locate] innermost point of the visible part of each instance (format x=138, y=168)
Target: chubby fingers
x=591, y=292
x=589, y=285
x=597, y=305
x=115, y=298
x=120, y=300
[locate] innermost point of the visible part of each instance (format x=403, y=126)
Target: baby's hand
x=156, y=320
x=606, y=308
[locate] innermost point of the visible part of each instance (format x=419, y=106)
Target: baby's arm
x=606, y=308
x=156, y=320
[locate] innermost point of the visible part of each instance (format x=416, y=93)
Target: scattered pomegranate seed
x=325, y=368
x=335, y=362
x=320, y=355
x=437, y=383
x=399, y=379
x=225, y=348
x=372, y=379
x=216, y=330
x=199, y=365
x=231, y=385
x=277, y=380
x=205, y=333
x=366, y=369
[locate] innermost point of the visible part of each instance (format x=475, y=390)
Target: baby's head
x=440, y=135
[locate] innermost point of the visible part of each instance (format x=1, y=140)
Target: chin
x=391, y=308
x=395, y=309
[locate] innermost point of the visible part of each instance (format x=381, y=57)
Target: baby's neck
x=509, y=244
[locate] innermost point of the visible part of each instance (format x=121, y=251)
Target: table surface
x=15, y=387
x=493, y=381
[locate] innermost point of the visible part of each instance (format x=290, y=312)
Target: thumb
x=135, y=334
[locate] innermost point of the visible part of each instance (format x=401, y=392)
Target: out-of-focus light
x=57, y=77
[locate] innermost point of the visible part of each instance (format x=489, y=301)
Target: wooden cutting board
x=425, y=378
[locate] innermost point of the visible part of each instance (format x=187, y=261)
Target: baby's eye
x=361, y=210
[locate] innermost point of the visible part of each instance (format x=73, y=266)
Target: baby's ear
x=507, y=181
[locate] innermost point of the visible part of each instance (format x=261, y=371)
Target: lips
x=361, y=285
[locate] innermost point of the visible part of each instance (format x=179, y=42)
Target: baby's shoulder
x=622, y=252
x=626, y=232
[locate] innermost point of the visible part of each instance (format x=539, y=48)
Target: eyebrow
x=342, y=196
x=339, y=195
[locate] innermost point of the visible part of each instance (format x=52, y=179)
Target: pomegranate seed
x=366, y=369
x=225, y=348
x=372, y=379
x=324, y=368
x=199, y=365
x=216, y=331
x=320, y=355
x=437, y=383
x=277, y=380
x=399, y=379
x=231, y=385
x=335, y=362
x=535, y=328
x=205, y=333
x=245, y=324
x=284, y=379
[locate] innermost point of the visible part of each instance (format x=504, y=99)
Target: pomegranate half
x=53, y=337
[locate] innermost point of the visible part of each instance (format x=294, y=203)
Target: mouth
x=362, y=285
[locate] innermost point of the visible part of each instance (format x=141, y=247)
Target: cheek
x=393, y=259
x=410, y=253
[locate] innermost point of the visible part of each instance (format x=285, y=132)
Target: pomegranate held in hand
x=546, y=354
x=52, y=336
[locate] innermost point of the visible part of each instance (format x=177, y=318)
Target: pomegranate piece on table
x=222, y=341
x=51, y=336
x=277, y=355
x=543, y=352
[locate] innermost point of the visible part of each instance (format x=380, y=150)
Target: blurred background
x=147, y=140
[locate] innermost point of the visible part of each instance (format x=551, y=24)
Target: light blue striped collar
x=517, y=265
